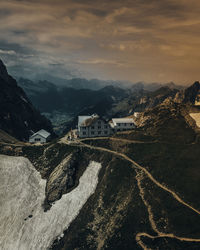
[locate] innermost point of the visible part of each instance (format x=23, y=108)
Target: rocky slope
x=151, y=205
x=146, y=196
x=18, y=117
x=142, y=100
x=190, y=93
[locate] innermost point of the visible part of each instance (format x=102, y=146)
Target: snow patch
x=23, y=223
x=196, y=117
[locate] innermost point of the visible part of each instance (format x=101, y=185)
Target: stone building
x=93, y=126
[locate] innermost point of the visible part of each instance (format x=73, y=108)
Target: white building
x=93, y=126
x=41, y=136
x=122, y=124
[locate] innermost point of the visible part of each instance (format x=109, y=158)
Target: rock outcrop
x=191, y=93
x=61, y=179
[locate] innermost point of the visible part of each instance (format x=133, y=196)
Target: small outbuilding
x=41, y=136
x=122, y=124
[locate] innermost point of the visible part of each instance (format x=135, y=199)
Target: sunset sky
x=134, y=40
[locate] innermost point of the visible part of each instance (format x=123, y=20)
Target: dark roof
x=88, y=122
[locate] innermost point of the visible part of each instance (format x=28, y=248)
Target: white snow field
x=22, y=192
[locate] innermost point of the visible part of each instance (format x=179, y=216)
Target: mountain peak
x=196, y=84
x=191, y=92
x=3, y=70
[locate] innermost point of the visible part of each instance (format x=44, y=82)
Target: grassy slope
x=173, y=159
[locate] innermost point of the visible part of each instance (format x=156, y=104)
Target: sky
x=132, y=40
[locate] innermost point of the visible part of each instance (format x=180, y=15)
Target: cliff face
x=18, y=117
x=191, y=93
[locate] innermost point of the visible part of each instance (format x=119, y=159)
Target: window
x=84, y=128
x=99, y=122
x=99, y=132
x=99, y=127
x=105, y=126
x=92, y=133
x=125, y=124
x=131, y=124
x=92, y=127
x=84, y=133
x=119, y=124
x=105, y=132
x=37, y=139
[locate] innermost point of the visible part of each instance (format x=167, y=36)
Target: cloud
x=7, y=52
x=136, y=40
x=100, y=61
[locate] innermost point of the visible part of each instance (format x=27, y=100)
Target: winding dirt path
x=160, y=234
x=137, y=166
x=140, y=171
x=116, y=139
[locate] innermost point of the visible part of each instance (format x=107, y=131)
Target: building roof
x=122, y=120
x=42, y=133
x=87, y=120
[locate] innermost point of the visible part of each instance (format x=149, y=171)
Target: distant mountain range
x=81, y=96
x=61, y=104
x=94, y=84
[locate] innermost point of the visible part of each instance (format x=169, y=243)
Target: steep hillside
x=166, y=149
x=136, y=190
x=142, y=100
x=147, y=191
x=18, y=117
x=6, y=138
